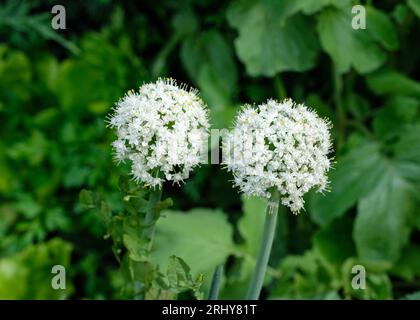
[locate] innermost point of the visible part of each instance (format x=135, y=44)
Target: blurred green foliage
x=56, y=88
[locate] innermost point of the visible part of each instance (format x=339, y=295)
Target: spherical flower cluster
x=162, y=130
x=279, y=145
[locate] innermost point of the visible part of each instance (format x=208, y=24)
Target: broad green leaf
x=346, y=46
x=334, y=241
x=208, y=59
x=397, y=112
x=393, y=82
x=384, y=187
x=407, y=158
x=408, y=266
x=282, y=9
x=269, y=43
x=355, y=175
x=185, y=22
x=202, y=237
x=381, y=28
x=415, y=6
x=382, y=224
x=312, y=6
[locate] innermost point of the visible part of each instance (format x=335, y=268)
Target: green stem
x=159, y=64
x=215, y=283
x=148, y=232
x=341, y=114
x=257, y=280
x=279, y=86
x=362, y=128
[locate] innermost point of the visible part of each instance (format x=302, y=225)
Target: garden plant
x=209, y=149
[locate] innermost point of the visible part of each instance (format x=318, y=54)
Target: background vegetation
x=56, y=88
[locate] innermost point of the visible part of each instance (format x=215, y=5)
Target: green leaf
x=178, y=272
x=384, y=187
x=202, y=237
x=414, y=295
x=165, y=204
x=252, y=222
x=312, y=6
x=28, y=207
x=180, y=279
x=408, y=266
x=415, y=6
x=399, y=13
x=346, y=46
x=378, y=284
x=302, y=277
x=269, y=43
x=27, y=275
x=185, y=22
x=108, y=68
x=142, y=271
x=15, y=77
x=88, y=199
x=208, y=59
x=322, y=108
x=136, y=245
x=124, y=184
x=334, y=241
x=393, y=82
x=407, y=158
x=357, y=105
x=381, y=227
x=356, y=174
x=397, y=112
x=47, y=70
x=381, y=28
x=75, y=176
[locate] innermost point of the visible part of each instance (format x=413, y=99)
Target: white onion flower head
x=279, y=145
x=162, y=129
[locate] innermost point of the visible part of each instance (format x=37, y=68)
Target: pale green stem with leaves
x=215, y=283
x=266, y=244
x=148, y=233
x=149, y=219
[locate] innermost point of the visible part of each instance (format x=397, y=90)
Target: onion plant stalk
x=266, y=244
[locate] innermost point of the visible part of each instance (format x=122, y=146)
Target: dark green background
x=56, y=88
